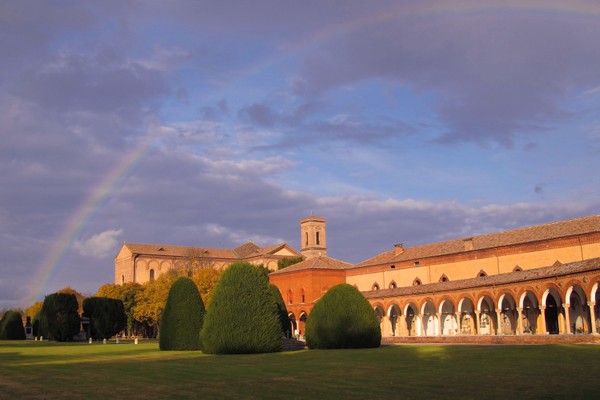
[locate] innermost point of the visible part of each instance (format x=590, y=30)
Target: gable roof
x=244, y=251
x=529, y=275
x=529, y=234
x=316, y=263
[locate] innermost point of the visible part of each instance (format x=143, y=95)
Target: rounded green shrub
x=242, y=316
x=59, y=317
x=182, y=317
x=107, y=316
x=342, y=319
x=11, y=326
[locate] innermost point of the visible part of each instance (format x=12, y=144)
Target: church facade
x=525, y=283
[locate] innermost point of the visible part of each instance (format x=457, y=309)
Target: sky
x=210, y=124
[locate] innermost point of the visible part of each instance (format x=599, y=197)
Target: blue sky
x=209, y=124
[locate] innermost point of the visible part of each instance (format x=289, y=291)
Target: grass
x=48, y=370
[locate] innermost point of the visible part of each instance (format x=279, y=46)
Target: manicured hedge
x=11, y=326
x=182, y=317
x=242, y=316
x=342, y=318
x=107, y=316
x=59, y=319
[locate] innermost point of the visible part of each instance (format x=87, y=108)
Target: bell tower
x=313, y=237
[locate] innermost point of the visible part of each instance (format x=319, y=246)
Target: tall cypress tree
x=182, y=318
x=242, y=316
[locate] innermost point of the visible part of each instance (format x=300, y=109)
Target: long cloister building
x=525, y=283
x=536, y=280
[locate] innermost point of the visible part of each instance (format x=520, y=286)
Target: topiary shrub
x=182, y=317
x=59, y=319
x=242, y=316
x=284, y=319
x=342, y=319
x=11, y=326
x=107, y=316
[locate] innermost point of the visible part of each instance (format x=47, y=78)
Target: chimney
x=399, y=249
x=468, y=244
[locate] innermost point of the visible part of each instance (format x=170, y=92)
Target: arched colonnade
x=560, y=307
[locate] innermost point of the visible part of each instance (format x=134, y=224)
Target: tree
x=127, y=293
x=107, y=316
x=78, y=296
x=34, y=309
x=206, y=280
x=284, y=319
x=11, y=326
x=286, y=262
x=342, y=318
x=182, y=317
x=242, y=316
x=59, y=319
x=151, y=301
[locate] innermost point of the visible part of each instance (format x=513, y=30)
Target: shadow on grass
x=414, y=372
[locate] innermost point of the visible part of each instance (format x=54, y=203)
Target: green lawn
x=47, y=370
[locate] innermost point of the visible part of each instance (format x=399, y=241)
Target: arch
x=508, y=314
x=412, y=319
x=378, y=309
x=394, y=316
x=375, y=286
x=444, y=278
x=417, y=281
x=466, y=309
x=393, y=285
x=448, y=318
x=530, y=312
x=293, y=324
x=551, y=303
x=595, y=297
x=578, y=310
x=487, y=315
x=430, y=319
x=481, y=273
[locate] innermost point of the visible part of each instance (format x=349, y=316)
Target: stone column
x=477, y=323
x=458, y=323
x=519, y=321
x=440, y=324
x=567, y=319
x=592, y=306
x=498, y=313
x=543, y=315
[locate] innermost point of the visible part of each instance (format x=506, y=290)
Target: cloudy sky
x=214, y=123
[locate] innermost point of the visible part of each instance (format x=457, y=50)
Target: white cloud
x=100, y=245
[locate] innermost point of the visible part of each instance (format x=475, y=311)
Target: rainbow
x=97, y=196
x=83, y=214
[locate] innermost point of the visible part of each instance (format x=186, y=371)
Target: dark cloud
x=495, y=75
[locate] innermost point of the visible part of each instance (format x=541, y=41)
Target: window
x=306, y=239
x=417, y=263
x=375, y=286
x=290, y=297
x=517, y=268
x=151, y=275
x=393, y=285
x=444, y=278
x=122, y=279
x=318, y=241
x=302, y=296
x=482, y=273
x=417, y=282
